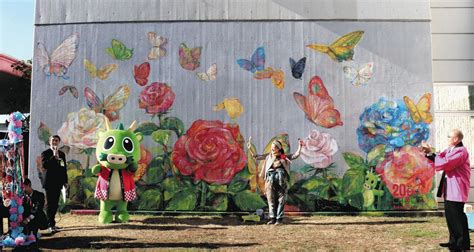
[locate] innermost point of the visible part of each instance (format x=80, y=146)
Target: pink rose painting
x=156, y=98
x=319, y=149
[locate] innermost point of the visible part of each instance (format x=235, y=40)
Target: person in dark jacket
x=34, y=217
x=54, y=162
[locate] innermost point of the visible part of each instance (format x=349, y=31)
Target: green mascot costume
x=118, y=152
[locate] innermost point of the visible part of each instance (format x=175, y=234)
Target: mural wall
x=358, y=93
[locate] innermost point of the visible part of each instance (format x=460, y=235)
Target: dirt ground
x=230, y=233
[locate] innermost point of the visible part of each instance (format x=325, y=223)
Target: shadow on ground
x=137, y=227
x=293, y=222
x=108, y=242
x=222, y=221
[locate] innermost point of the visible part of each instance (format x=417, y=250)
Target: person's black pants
x=457, y=225
x=52, y=198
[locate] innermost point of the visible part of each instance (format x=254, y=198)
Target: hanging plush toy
x=118, y=152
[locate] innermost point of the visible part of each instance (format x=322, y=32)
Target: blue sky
x=17, y=28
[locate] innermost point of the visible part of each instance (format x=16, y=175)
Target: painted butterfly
x=232, y=106
x=61, y=58
x=342, y=49
x=119, y=51
x=71, y=89
x=141, y=73
x=189, y=58
x=420, y=111
x=158, y=46
x=277, y=76
x=359, y=76
x=297, y=68
x=256, y=63
x=102, y=73
x=111, y=105
x=210, y=74
x=318, y=105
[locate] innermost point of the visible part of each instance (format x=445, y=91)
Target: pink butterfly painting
x=189, y=57
x=62, y=57
x=318, y=105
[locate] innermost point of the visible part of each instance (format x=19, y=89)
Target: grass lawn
x=230, y=233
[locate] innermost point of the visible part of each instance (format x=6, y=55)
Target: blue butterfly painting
x=256, y=63
x=297, y=68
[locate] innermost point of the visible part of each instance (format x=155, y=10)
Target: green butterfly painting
x=119, y=51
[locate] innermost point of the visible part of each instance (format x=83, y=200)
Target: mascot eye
x=127, y=144
x=109, y=142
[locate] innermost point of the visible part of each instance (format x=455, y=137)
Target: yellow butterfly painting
x=420, y=111
x=101, y=73
x=277, y=76
x=342, y=49
x=232, y=106
x=255, y=167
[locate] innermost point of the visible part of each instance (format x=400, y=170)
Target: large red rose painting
x=210, y=151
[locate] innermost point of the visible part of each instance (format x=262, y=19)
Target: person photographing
x=454, y=187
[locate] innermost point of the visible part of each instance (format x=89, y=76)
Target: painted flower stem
x=160, y=118
x=379, y=197
x=203, y=194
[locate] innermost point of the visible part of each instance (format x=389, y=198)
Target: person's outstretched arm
x=298, y=151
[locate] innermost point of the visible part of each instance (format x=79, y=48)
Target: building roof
x=6, y=62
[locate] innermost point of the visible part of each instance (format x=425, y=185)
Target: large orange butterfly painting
x=318, y=105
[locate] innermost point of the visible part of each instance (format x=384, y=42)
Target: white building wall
x=452, y=29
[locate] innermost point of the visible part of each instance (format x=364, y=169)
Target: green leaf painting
x=219, y=202
x=354, y=161
x=161, y=136
x=174, y=124
x=248, y=201
x=183, y=201
x=353, y=181
x=147, y=128
x=150, y=200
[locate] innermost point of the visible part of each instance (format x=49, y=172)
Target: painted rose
x=406, y=172
x=156, y=98
x=81, y=128
x=319, y=149
x=210, y=151
x=389, y=122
